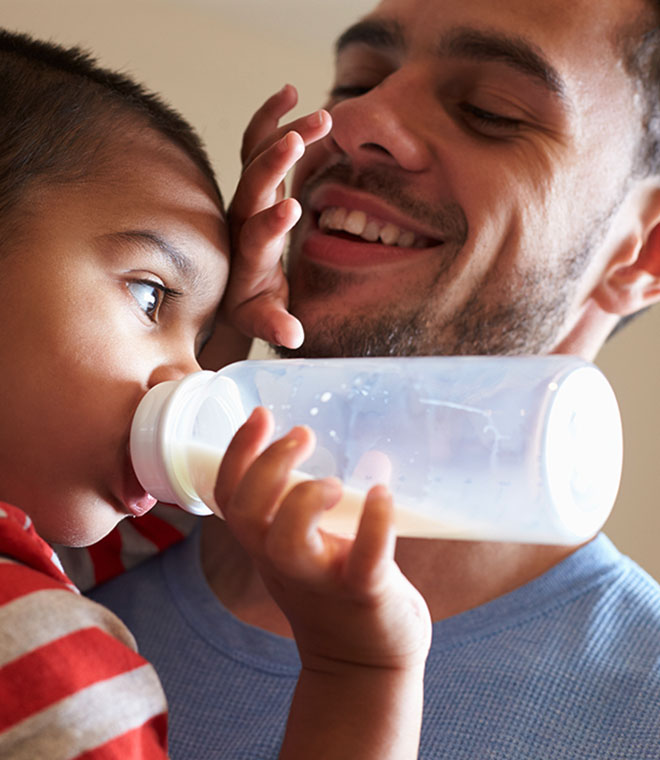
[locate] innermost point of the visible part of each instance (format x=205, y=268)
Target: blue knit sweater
x=566, y=667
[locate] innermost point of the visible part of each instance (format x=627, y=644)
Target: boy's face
x=111, y=288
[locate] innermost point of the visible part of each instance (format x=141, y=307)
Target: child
x=113, y=261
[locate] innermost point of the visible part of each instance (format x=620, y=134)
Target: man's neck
x=453, y=576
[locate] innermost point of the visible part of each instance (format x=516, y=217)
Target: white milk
x=203, y=465
x=343, y=517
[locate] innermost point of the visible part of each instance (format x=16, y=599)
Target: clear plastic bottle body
x=481, y=448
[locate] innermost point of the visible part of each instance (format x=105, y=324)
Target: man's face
x=110, y=288
x=479, y=152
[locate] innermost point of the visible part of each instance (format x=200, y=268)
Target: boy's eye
x=148, y=295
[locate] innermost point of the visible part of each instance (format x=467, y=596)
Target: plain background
x=217, y=60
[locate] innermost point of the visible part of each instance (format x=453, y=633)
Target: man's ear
x=631, y=280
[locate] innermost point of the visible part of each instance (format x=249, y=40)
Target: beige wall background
x=217, y=60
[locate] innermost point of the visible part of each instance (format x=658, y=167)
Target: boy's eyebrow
x=155, y=241
x=462, y=42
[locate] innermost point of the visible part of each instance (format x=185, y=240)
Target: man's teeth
x=339, y=219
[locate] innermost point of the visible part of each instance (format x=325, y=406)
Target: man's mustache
x=448, y=220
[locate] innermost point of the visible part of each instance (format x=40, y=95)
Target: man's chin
x=360, y=335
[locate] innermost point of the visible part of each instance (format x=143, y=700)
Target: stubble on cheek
x=522, y=315
x=518, y=311
x=398, y=326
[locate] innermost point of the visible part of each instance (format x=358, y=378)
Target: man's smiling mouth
x=359, y=224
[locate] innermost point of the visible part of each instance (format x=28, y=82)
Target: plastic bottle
x=525, y=449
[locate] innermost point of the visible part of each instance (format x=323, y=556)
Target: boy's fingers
x=257, y=496
x=266, y=318
x=263, y=235
x=373, y=548
x=257, y=262
x=243, y=449
x=294, y=543
x=266, y=118
x=311, y=127
x=263, y=177
x=257, y=297
x=270, y=161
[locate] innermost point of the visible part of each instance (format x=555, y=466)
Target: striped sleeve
x=72, y=684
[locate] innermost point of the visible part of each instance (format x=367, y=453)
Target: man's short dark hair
x=640, y=44
x=57, y=108
x=640, y=41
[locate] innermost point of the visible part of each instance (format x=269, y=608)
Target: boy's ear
x=631, y=280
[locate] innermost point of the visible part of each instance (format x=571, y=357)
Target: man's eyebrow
x=475, y=44
x=512, y=51
x=156, y=242
x=372, y=32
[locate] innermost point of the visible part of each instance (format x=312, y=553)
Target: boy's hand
x=346, y=599
x=362, y=630
x=260, y=218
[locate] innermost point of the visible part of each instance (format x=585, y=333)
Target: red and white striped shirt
x=71, y=682
x=133, y=541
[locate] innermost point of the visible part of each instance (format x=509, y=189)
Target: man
x=490, y=186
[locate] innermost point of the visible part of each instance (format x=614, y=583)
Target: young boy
x=112, y=265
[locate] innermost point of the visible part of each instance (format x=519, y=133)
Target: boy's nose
x=175, y=370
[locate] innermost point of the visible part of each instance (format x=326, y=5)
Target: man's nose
x=380, y=126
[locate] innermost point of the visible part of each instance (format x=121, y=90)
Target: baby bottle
x=525, y=449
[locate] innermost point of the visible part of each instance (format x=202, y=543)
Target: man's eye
x=488, y=120
x=149, y=296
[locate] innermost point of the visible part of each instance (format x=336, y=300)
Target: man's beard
x=517, y=326
x=526, y=315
